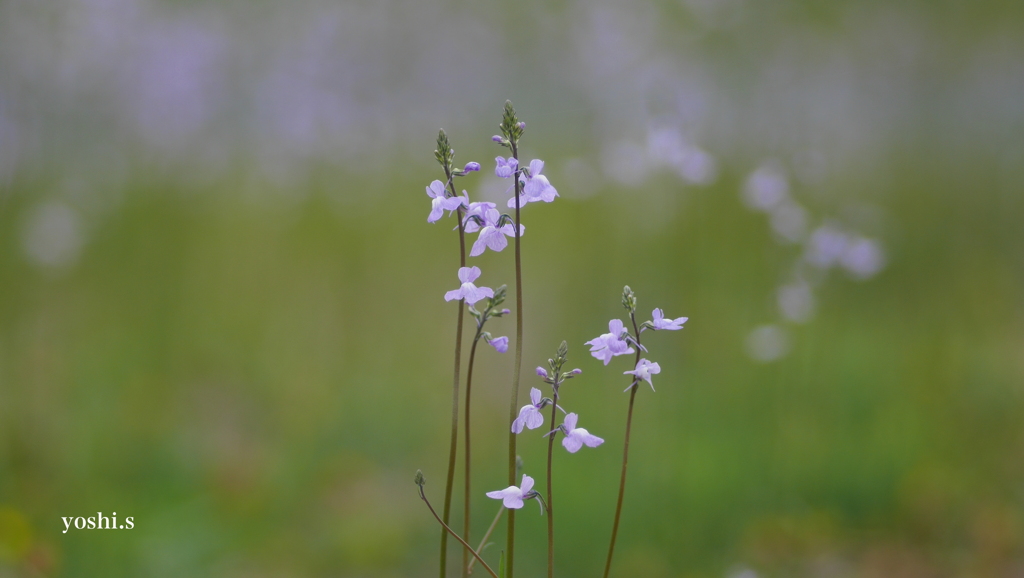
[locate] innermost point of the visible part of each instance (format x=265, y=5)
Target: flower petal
x=526, y=485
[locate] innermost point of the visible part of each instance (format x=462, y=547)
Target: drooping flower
x=440, y=204
x=512, y=497
x=577, y=437
x=468, y=291
x=610, y=344
x=493, y=237
x=499, y=343
x=505, y=168
x=644, y=370
x=529, y=415
x=660, y=322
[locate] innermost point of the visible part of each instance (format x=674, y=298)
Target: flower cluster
x=619, y=341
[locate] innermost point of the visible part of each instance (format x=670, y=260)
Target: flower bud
x=474, y=166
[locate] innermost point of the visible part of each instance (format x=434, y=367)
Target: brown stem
x=466, y=516
x=455, y=390
x=625, y=453
x=452, y=532
x=551, y=517
x=511, y=533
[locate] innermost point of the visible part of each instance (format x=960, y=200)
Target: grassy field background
x=254, y=362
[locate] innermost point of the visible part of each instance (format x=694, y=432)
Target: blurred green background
x=221, y=307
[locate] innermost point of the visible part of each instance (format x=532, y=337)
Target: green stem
x=625, y=453
x=452, y=532
x=455, y=390
x=469, y=386
x=511, y=533
x=487, y=535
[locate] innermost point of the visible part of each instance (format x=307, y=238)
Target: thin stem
x=625, y=455
x=551, y=515
x=469, y=385
x=511, y=534
x=487, y=535
x=455, y=389
x=452, y=532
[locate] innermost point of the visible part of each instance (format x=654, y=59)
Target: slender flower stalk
x=481, y=318
x=629, y=301
x=551, y=499
x=419, y=483
x=466, y=504
x=444, y=155
x=483, y=541
x=511, y=130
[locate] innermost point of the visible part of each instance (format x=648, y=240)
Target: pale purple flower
x=536, y=186
x=512, y=497
x=660, y=322
x=577, y=437
x=440, y=204
x=644, y=370
x=493, y=237
x=505, y=168
x=610, y=344
x=529, y=415
x=476, y=209
x=499, y=343
x=468, y=291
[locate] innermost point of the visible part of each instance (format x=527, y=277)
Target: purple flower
x=505, y=168
x=440, y=204
x=542, y=372
x=644, y=370
x=470, y=292
x=661, y=323
x=512, y=496
x=610, y=344
x=493, y=237
x=477, y=210
x=576, y=437
x=499, y=343
x=536, y=186
x=474, y=166
x=529, y=415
